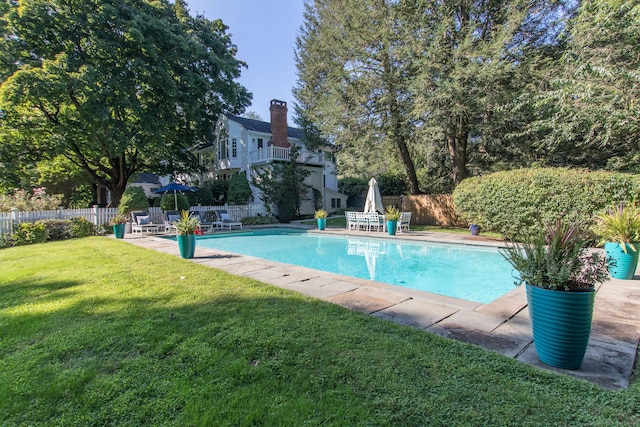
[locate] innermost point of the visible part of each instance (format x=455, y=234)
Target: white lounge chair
x=225, y=220
x=141, y=223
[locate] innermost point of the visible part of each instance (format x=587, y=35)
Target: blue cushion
x=173, y=218
x=143, y=220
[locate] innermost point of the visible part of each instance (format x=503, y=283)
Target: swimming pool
x=472, y=273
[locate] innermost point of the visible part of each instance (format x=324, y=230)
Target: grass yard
x=99, y=332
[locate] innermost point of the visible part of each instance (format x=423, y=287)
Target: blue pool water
x=471, y=273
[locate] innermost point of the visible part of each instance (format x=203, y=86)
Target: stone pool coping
x=502, y=325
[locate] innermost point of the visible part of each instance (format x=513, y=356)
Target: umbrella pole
x=175, y=199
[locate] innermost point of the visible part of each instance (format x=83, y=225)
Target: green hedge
x=518, y=201
x=28, y=233
x=259, y=220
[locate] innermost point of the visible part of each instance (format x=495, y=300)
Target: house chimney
x=279, y=129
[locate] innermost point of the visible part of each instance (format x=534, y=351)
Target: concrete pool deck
x=502, y=325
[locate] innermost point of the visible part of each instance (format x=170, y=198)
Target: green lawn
x=99, y=332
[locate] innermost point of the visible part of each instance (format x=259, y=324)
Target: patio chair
x=374, y=221
x=362, y=221
x=141, y=223
x=169, y=217
x=204, y=224
x=351, y=220
x=405, y=220
x=225, y=220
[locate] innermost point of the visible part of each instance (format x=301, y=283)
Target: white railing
x=99, y=216
x=272, y=153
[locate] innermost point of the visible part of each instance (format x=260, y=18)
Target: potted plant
x=118, y=222
x=186, y=228
x=619, y=229
x=392, y=215
x=560, y=273
x=321, y=217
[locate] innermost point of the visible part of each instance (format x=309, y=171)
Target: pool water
x=472, y=273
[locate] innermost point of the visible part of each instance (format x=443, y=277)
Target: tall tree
x=354, y=80
x=589, y=106
x=117, y=87
x=282, y=186
x=415, y=79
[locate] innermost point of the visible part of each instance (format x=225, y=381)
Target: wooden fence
x=100, y=216
x=428, y=209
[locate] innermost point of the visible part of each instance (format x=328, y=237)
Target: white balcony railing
x=271, y=153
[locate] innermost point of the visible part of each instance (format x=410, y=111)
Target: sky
x=265, y=33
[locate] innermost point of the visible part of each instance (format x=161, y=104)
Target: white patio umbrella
x=373, y=202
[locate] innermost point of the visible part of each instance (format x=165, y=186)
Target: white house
x=243, y=145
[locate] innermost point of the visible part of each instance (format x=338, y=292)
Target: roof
x=147, y=178
x=264, y=127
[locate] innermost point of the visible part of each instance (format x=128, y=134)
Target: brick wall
x=279, y=130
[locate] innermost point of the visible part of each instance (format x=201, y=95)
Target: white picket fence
x=100, y=216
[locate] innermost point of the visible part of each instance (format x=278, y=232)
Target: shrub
x=22, y=200
x=219, y=189
x=317, y=198
x=81, y=227
x=133, y=199
x=239, y=192
x=204, y=196
x=27, y=233
x=83, y=196
x=392, y=184
x=516, y=202
x=259, y=220
x=58, y=229
x=353, y=186
x=168, y=202
x=5, y=241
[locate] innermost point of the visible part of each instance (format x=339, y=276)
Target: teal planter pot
x=391, y=227
x=187, y=245
x=561, y=323
x=621, y=265
x=118, y=230
x=322, y=223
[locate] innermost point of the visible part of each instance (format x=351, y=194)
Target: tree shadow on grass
x=18, y=292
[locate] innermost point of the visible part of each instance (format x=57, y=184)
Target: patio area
x=502, y=326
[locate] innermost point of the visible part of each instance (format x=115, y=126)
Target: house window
x=223, y=144
x=234, y=148
x=259, y=143
x=336, y=203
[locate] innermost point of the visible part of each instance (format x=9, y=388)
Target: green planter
x=322, y=223
x=187, y=245
x=561, y=324
x=118, y=230
x=392, y=225
x=621, y=265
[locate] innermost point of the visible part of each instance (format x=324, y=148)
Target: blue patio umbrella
x=174, y=188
